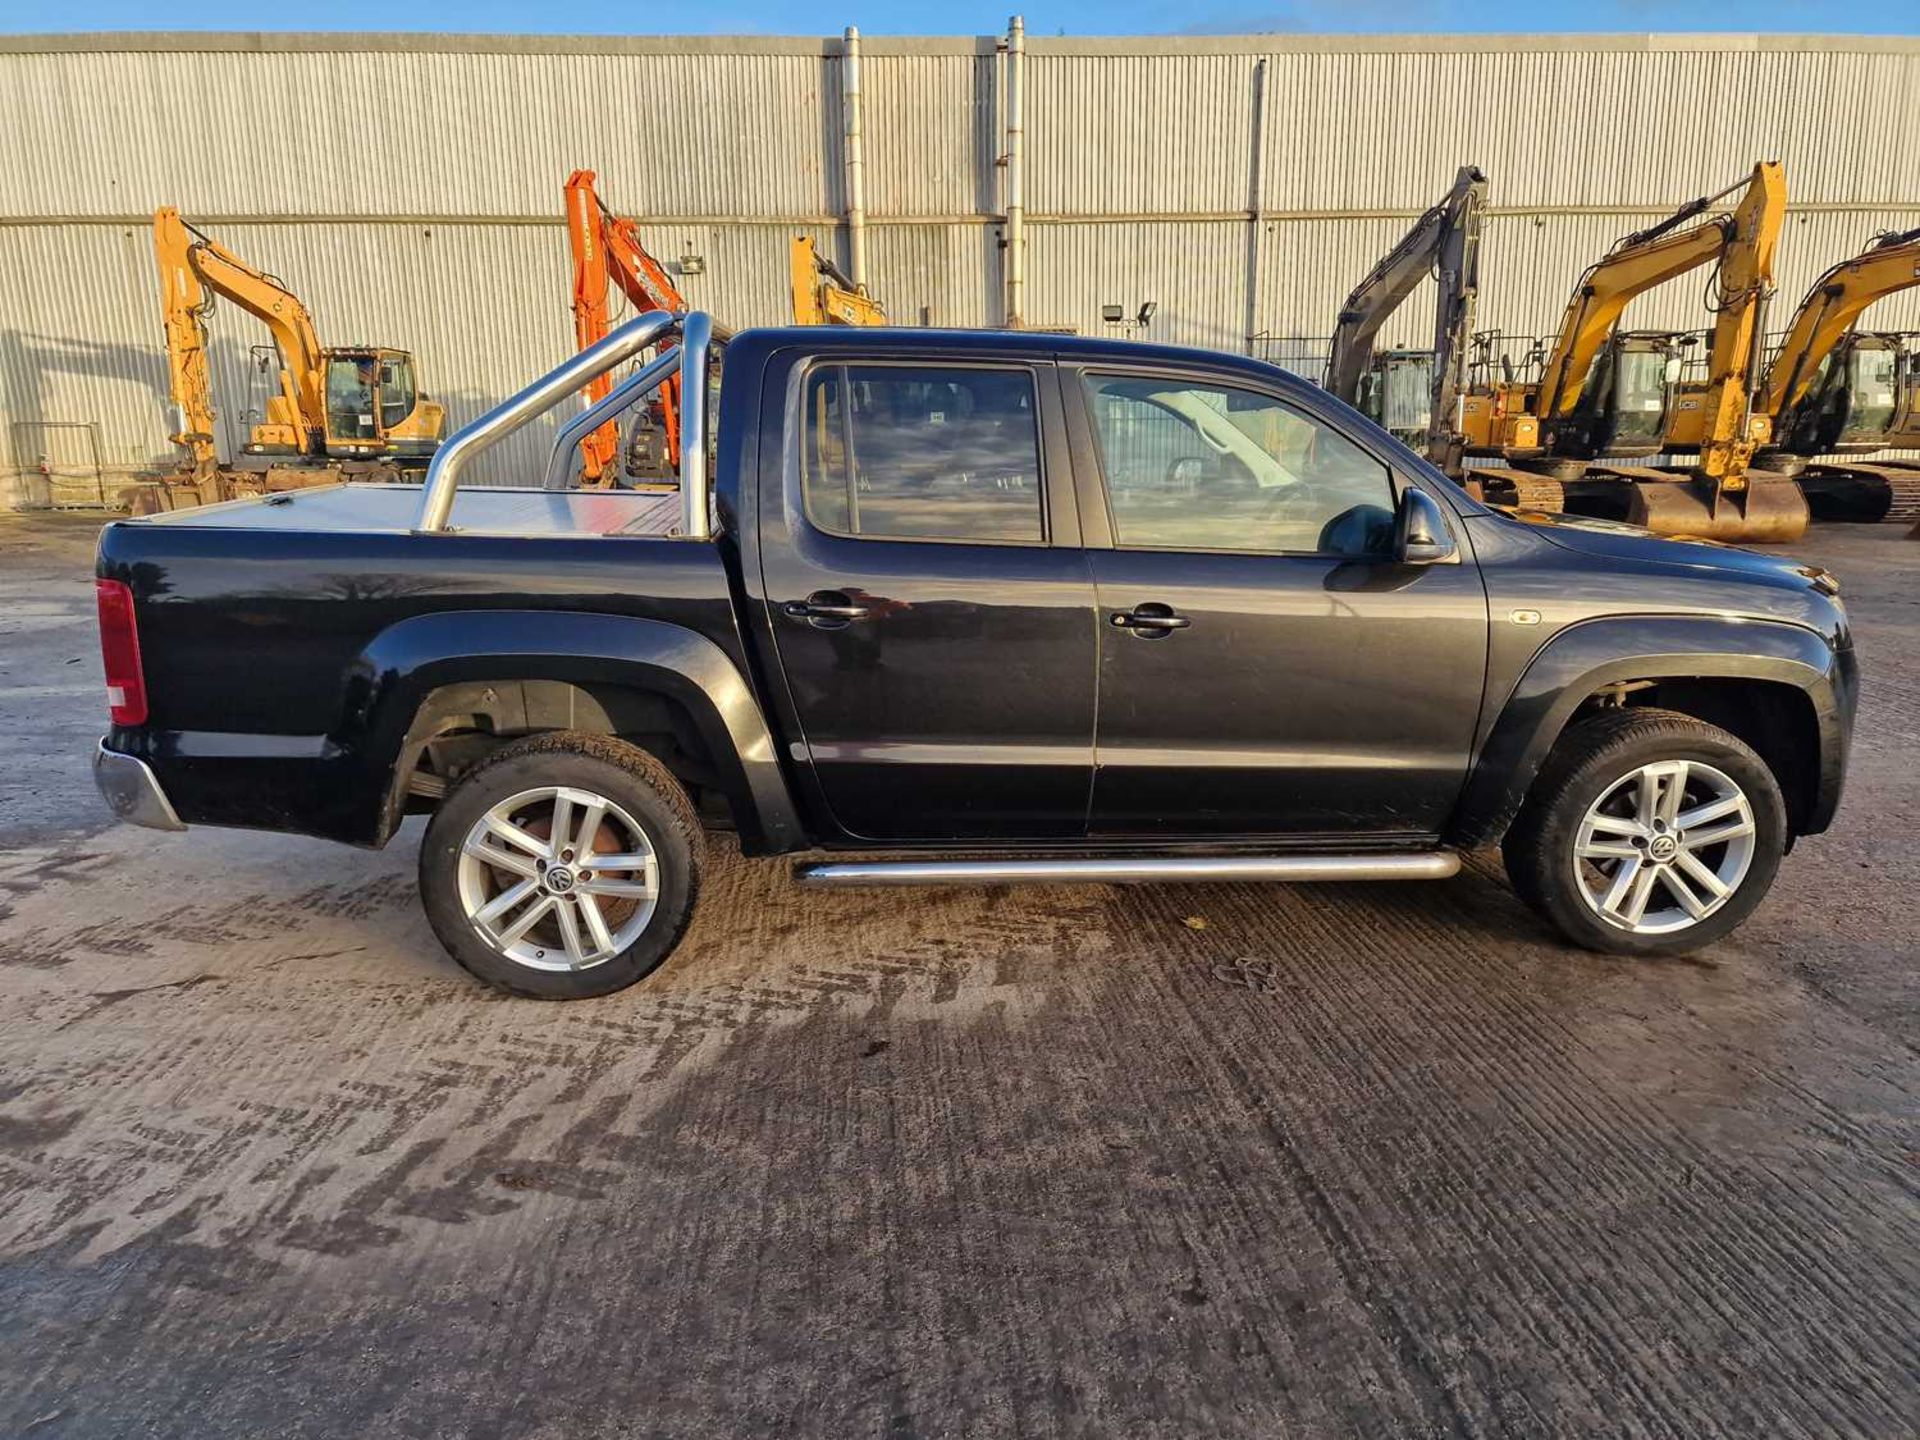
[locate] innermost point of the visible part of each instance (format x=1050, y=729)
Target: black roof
x=1085, y=348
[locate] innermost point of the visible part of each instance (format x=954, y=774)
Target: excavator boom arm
x=1836, y=301
x=822, y=295
x=607, y=250
x=183, y=304
x=1745, y=286
x=1635, y=265
x=303, y=365
x=1452, y=225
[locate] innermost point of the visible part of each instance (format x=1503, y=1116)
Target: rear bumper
x=131, y=790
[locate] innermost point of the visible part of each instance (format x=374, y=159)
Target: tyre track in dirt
x=1155, y=1162
x=1588, y=1146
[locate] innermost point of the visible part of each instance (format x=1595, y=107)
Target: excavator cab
x=1623, y=404
x=1396, y=393
x=374, y=406
x=1854, y=403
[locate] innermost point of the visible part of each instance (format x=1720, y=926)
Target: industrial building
x=1229, y=189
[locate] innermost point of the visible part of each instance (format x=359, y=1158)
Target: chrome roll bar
x=696, y=339
x=560, y=462
x=443, y=472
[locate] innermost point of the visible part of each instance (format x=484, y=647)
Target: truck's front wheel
x=1648, y=832
x=562, y=866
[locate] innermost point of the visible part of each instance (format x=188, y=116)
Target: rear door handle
x=1153, y=618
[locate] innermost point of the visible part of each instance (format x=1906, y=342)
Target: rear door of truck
x=926, y=592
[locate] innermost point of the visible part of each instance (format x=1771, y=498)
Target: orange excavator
x=607, y=250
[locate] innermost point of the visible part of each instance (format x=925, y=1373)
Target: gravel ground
x=1170, y=1161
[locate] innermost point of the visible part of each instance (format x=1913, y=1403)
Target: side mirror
x=1420, y=534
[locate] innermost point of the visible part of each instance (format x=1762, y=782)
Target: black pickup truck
x=969, y=607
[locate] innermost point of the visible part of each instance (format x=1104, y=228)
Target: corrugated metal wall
x=408, y=187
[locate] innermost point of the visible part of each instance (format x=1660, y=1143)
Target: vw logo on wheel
x=559, y=879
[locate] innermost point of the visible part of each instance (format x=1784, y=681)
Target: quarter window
x=1206, y=467
x=923, y=453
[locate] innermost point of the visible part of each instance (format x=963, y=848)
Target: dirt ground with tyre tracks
x=1240, y=1160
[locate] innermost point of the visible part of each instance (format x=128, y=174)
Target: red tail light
x=120, y=649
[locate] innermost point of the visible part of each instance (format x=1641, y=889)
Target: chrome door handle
x=808, y=610
x=1149, y=617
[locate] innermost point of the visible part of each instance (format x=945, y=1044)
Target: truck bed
x=272, y=630
x=393, y=508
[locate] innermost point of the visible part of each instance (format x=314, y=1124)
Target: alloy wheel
x=558, y=878
x=1664, y=847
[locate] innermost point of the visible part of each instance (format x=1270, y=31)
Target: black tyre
x=1647, y=833
x=562, y=866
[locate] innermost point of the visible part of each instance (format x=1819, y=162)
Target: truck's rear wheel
x=1648, y=832
x=562, y=866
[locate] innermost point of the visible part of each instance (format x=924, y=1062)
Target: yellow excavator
x=823, y=295
x=361, y=405
x=1835, y=390
x=1603, y=392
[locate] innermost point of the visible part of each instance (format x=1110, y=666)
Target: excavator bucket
x=1764, y=512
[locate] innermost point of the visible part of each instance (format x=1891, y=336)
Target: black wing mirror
x=1420, y=534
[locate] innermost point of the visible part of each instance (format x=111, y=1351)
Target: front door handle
x=1151, y=619
x=831, y=607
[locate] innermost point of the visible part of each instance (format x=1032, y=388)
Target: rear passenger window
x=913, y=452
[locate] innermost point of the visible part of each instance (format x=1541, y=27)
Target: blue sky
x=926, y=17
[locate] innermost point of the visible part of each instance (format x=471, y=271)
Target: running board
x=1144, y=869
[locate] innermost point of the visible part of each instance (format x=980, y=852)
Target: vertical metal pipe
x=1255, y=198
x=696, y=339
x=1016, y=191
x=856, y=160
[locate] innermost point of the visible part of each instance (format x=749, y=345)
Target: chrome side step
x=1143, y=869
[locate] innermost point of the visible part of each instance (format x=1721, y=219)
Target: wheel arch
x=534, y=671
x=1779, y=687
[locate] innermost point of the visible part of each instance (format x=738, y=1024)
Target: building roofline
x=261, y=42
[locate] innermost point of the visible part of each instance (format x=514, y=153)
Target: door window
x=1192, y=466
x=396, y=391
x=923, y=453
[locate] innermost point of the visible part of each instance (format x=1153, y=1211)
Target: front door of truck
x=930, y=605
x=1266, y=668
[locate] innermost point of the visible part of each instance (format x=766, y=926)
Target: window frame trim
x=1086, y=432
x=1038, y=384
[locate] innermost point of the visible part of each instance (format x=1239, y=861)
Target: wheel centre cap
x=559, y=879
x=1663, y=847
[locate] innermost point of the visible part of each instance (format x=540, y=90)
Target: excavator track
x=1520, y=489
x=1863, y=493
x=1770, y=511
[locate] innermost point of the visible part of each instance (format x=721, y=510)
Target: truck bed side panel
x=249, y=636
